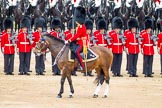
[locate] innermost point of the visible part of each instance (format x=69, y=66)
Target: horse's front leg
x=71, y=85
x=62, y=86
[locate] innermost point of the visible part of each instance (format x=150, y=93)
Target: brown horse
x=101, y=64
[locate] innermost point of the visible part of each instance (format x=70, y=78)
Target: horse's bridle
x=39, y=48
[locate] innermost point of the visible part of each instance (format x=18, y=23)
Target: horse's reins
x=59, y=55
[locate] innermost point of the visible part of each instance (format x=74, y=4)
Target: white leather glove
x=66, y=42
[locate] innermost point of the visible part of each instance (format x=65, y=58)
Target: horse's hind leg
x=107, y=78
x=62, y=86
x=99, y=82
x=71, y=85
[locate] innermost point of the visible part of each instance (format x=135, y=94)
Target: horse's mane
x=54, y=38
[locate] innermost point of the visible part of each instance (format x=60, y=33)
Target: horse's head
x=41, y=46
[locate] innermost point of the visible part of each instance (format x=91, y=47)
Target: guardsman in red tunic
x=100, y=33
x=147, y=48
x=39, y=26
x=159, y=45
x=132, y=47
x=8, y=47
x=117, y=45
x=80, y=36
x=56, y=28
x=89, y=29
x=24, y=46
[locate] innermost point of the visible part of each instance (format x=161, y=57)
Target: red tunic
x=6, y=44
x=23, y=43
x=160, y=42
x=37, y=37
x=117, y=46
x=80, y=35
x=132, y=43
x=55, y=34
x=68, y=35
x=101, y=39
x=147, y=44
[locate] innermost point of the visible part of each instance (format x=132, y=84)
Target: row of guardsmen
x=131, y=41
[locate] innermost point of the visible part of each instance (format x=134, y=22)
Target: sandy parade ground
x=41, y=91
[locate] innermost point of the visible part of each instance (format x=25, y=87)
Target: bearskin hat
x=117, y=22
x=80, y=14
x=26, y=22
x=8, y=23
x=148, y=23
x=56, y=22
x=40, y=22
x=70, y=24
x=132, y=22
x=101, y=24
x=89, y=24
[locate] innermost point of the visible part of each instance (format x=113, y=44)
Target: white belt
x=102, y=44
x=117, y=44
x=8, y=44
x=24, y=42
x=148, y=44
x=133, y=43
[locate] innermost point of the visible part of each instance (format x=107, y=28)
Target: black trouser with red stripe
x=79, y=56
x=8, y=63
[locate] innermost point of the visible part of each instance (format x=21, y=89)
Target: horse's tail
x=100, y=79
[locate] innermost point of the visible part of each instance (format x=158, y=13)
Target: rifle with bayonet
x=122, y=37
x=154, y=38
x=13, y=38
x=139, y=38
x=30, y=36
x=61, y=34
x=92, y=38
x=107, y=38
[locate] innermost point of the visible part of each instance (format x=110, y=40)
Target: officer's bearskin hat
x=8, y=23
x=56, y=23
x=80, y=14
x=40, y=22
x=148, y=23
x=117, y=22
x=132, y=22
x=70, y=24
x=89, y=24
x=101, y=24
x=26, y=22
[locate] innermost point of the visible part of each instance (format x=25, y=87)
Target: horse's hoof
x=105, y=96
x=59, y=96
x=70, y=96
x=95, y=96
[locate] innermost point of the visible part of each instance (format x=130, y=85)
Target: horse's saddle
x=89, y=57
